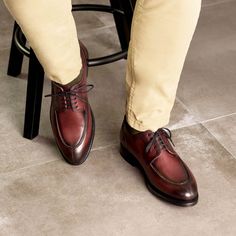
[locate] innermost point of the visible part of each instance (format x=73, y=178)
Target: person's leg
x=160, y=37
x=51, y=31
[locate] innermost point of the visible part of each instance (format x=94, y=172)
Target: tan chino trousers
x=160, y=37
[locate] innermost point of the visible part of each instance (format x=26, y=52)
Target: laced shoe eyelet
x=67, y=96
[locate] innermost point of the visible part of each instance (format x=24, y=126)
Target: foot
x=71, y=116
x=166, y=175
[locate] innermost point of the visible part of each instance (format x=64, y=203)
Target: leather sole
x=127, y=156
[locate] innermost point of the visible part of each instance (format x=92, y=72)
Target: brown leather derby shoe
x=166, y=175
x=71, y=117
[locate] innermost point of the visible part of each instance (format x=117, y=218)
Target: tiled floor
x=42, y=195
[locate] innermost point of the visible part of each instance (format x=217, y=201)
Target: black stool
x=122, y=11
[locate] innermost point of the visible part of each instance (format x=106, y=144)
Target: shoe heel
x=127, y=156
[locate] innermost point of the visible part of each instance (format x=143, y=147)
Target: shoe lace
x=71, y=103
x=158, y=139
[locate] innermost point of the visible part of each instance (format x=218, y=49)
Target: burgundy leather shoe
x=166, y=175
x=71, y=117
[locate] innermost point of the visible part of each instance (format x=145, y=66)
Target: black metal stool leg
x=33, y=97
x=123, y=23
x=16, y=57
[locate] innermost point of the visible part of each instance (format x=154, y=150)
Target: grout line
x=115, y=144
x=27, y=167
x=195, y=119
x=216, y=3
x=185, y=107
x=47, y=162
x=185, y=126
x=104, y=147
x=5, y=48
x=233, y=156
x=218, y=117
x=95, y=31
x=198, y=121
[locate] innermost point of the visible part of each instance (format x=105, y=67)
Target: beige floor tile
x=224, y=129
x=89, y=22
x=106, y=196
x=4, y=57
x=209, y=3
x=209, y=73
x=6, y=26
x=180, y=116
x=102, y=42
x=17, y=152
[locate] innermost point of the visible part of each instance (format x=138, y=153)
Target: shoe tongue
x=158, y=142
x=73, y=83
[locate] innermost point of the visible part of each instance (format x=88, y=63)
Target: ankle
x=76, y=80
x=131, y=129
x=73, y=82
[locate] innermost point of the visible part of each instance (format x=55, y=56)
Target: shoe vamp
x=71, y=125
x=170, y=167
